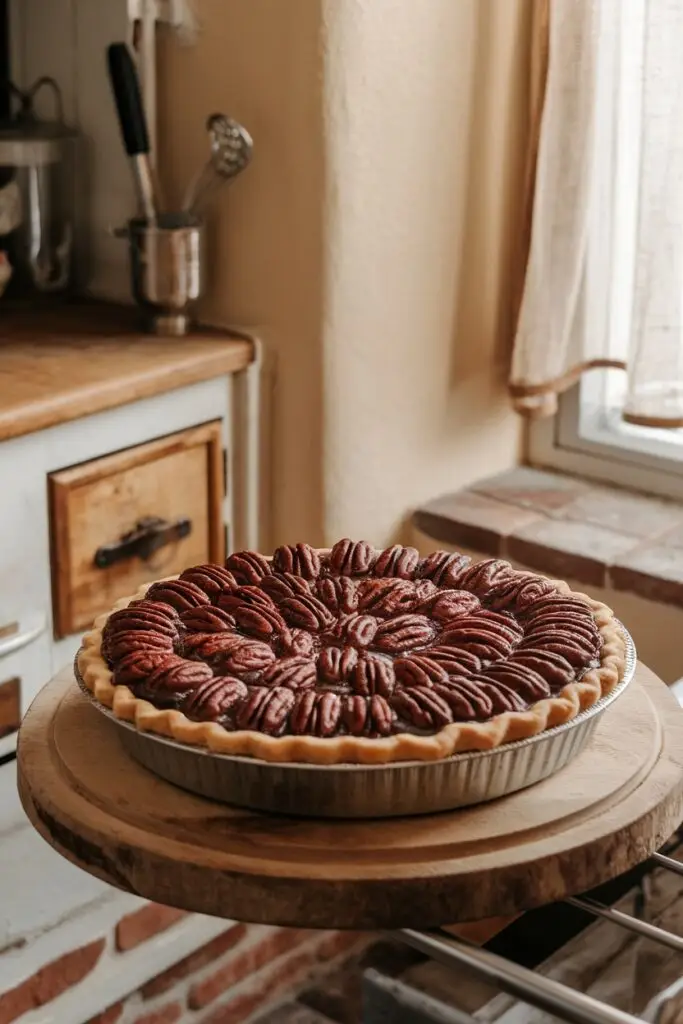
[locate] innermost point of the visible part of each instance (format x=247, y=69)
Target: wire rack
x=552, y=996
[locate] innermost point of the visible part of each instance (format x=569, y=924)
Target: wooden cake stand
x=604, y=813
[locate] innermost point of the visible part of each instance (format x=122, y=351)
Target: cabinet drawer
x=134, y=516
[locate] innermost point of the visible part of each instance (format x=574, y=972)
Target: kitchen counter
x=69, y=362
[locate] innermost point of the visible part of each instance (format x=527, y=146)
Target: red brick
x=283, y=977
x=168, y=1014
x=200, y=958
x=241, y=966
x=109, y=1016
x=134, y=929
x=49, y=982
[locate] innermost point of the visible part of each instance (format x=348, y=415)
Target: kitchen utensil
x=37, y=195
x=231, y=150
x=166, y=269
x=133, y=124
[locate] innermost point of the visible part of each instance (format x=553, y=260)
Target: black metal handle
x=126, y=88
x=146, y=537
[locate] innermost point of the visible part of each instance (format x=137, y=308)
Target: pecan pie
x=352, y=655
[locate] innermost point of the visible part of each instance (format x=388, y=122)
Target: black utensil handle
x=126, y=88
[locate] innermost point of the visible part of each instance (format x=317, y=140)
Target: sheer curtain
x=604, y=277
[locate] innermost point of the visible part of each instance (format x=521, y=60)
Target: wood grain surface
x=604, y=813
x=96, y=502
x=59, y=365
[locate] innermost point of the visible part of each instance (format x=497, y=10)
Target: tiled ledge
x=569, y=528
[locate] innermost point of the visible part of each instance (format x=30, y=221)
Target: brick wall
x=228, y=980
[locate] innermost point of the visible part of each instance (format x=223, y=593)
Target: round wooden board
x=612, y=807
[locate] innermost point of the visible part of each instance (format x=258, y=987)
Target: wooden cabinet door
x=108, y=515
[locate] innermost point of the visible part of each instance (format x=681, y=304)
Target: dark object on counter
x=37, y=195
x=125, y=86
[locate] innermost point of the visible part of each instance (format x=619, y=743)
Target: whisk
x=231, y=149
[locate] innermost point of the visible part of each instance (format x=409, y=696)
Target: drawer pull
x=29, y=630
x=147, y=536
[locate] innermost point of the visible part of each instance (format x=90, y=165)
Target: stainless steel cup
x=166, y=266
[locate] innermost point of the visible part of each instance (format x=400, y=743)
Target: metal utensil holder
x=166, y=270
x=552, y=996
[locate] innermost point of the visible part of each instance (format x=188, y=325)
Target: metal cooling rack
x=552, y=996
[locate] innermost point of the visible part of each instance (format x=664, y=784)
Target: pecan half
x=530, y=685
x=210, y=646
x=419, y=670
x=559, y=604
x=519, y=590
x=175, y=678
x=459, y=701
x=121, y=644
x=485, y=642
x=297, y=559
x=579, y=650
x=338, y=593
x=455, y=660
x=397, y=561
x=351, y=558
x=360, y=630
x=480, y=577
x=306, y=613
x=214, y=698
x=381, y=717
x=295, y=641
x=584, y=628
x=212, y=579
x=265, y=710
x=284, y=584
x=247, y=596
x=355, y=712
x=553, y=667
x=138, y=665
x=304, y=713
x=262, y=623
x=293, y=673
x=373, y=675
x=316, y=714
x=145, y=615
x=386, y=596
x=443, y=568
x=449, y=604
x=248, y=567
x=424, y=708
x=207, y=619
x=179, y=594
x=247, y=660
x=404, y=633
x=472, y=692
x=503, y=698
x=335, y=664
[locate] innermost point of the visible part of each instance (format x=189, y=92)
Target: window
x=589, y=435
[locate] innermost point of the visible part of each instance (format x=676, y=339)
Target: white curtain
x=604, y=279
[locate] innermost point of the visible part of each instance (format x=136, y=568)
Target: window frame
x=600, y=446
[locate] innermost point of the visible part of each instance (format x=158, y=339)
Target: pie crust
x=598, y=680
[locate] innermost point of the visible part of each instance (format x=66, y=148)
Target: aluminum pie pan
x=398, y=789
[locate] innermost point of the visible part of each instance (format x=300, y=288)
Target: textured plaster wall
x=372, y=239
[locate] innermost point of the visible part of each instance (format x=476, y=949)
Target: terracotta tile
x=533, y=488
x=470, y=520
x=568, y=550
x=633, y=514
x=652, y=571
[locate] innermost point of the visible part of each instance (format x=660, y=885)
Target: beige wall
x=372, y=239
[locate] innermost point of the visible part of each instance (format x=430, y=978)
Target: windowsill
x=567, y=527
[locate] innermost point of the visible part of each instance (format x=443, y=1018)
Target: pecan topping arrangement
x=350, y=641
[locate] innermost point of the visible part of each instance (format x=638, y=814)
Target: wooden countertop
x=69, y=362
